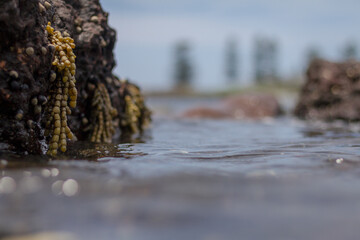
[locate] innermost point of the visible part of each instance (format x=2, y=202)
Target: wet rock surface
x=26, y=71
x=331, y=92
x=246, y=106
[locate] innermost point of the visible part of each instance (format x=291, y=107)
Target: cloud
x=198, y=6
x=159, y=30
x=209, y=21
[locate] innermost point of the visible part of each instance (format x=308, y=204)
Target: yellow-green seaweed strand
x=63, y=93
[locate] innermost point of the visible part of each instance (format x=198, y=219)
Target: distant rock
x=247, y=106
x=331, y=91
x=206, y=112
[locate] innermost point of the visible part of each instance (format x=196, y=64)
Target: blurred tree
x=349, y=51
x=312, y=53
x=265, y=60
x=231, y=61
x=183, y=68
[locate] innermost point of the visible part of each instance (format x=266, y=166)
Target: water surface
x=194, y=179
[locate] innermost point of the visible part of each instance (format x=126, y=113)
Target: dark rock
x=26, y=66
x=247, y=106
x=15, y=85
x=331, y=92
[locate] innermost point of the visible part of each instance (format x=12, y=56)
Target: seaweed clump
x=135, y=115
x=103, y=115
x=63, y=93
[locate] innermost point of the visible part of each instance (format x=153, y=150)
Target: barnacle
x=103, y=115
x=63, y=92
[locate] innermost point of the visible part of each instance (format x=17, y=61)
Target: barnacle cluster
x=63, y=92
x=103, y=115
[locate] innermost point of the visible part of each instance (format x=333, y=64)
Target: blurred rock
x=253, y=106
x=206, y=112
x=331, y=91
x=247, y=106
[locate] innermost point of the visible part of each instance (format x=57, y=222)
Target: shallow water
x=195, y=179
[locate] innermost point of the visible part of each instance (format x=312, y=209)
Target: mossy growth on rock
x=103, y=114
x=63, y=92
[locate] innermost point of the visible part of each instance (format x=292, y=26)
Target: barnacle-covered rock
x=331, y=92
x=35, y=62
x=103, y=116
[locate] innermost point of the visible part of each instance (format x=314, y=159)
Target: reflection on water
x=193, y=179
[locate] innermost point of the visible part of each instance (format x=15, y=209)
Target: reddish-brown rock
x=206, y=112
x=247, y=106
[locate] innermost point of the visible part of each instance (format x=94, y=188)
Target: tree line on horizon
x=265, y=61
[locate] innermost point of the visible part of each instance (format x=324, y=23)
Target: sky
x=147, y=31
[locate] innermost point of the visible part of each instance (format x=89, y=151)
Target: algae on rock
x=62, y=91
x=134, y=117
x=103, y=114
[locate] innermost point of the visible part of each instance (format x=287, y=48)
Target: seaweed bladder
x=103, y=115
x=63, y=93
